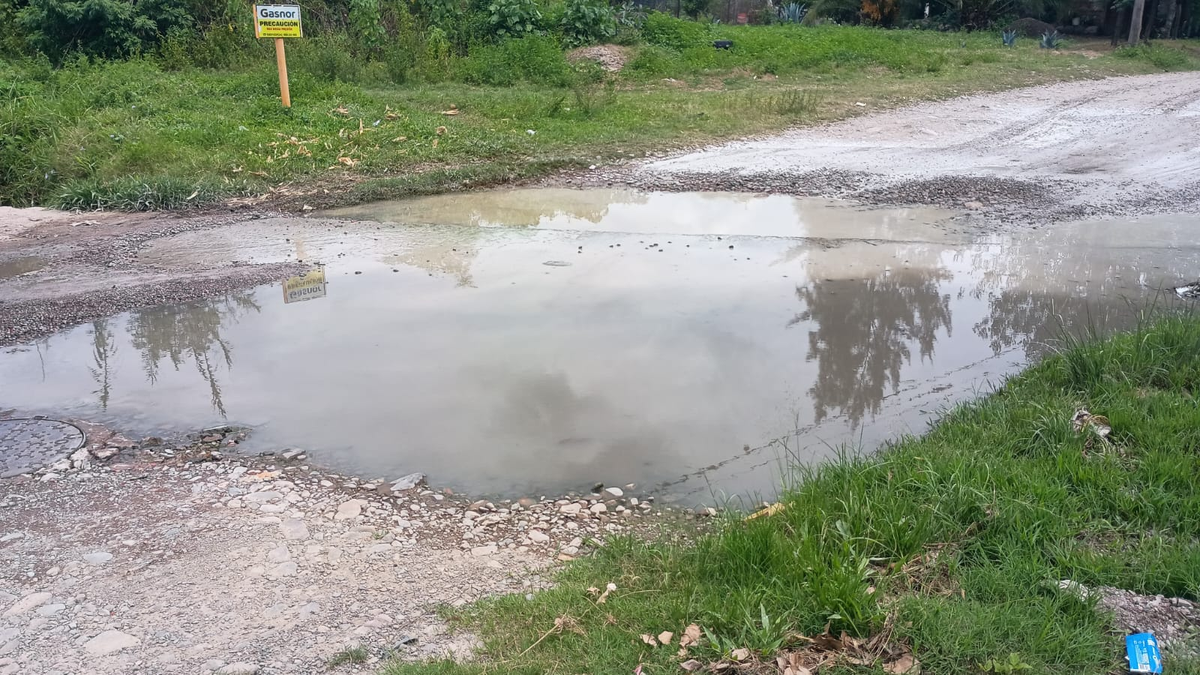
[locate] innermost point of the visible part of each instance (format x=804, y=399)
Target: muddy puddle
x=15, y=267
x=691, y=354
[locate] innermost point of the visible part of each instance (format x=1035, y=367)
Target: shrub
x=102, y=28
x=694, y=8
x=665, y=30
x=536, y=59
x=512, y=18
x=652, y=60
x=367, y=24
x=586, y=22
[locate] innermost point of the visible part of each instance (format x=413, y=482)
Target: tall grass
x=1004, y=489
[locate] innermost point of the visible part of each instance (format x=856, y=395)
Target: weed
x=1162, y=57
x=1013, y=664
x=347, y=656
x=795, y=103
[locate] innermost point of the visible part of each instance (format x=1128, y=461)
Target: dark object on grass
x=723, y=44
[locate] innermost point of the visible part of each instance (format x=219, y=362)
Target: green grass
x=1004, y=488
x=136, y=135
x=348, y=656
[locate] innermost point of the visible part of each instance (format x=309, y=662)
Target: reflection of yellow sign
x=277, y=21
x=307, y=287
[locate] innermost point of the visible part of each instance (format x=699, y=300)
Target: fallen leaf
x=435, y=142
x=192, y=196
x=341, y=110
x=827, y=642
x=905, y=664
x=260, y=174
x=665, y=637
x=399, y=139
x=440, y=130
x=592, y=590
x=607, y=589
x=347, y=161
x=740, y=654
x=796, y=670
x=691, y=665
x=452, y=111
x=649, y=639
x=691, y=636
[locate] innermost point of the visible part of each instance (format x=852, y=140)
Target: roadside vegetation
x=948, y=549
x=169, y=105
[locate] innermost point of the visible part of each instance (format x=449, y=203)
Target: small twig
x=557, y=627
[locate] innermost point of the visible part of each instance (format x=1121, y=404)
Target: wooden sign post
x=279, y=22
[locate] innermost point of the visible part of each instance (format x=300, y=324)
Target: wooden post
x=281, y=59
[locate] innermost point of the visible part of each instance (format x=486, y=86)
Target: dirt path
x=1121, y=146
x=162, y=557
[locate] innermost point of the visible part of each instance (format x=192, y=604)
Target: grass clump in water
x=959, y=536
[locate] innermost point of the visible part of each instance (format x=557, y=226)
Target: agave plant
x=792, y=12
x=1009, y=37
x=1051, y=40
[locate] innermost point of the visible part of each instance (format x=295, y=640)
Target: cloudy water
x=602, y=336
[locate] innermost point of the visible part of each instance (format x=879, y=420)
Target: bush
x=101, y=28
x=535, y=59
x=587, y=22
x=665, y=30
x=367, y=24
x=512, y=18
x=655, y=61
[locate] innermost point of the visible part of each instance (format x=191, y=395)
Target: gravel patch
x=183, y=555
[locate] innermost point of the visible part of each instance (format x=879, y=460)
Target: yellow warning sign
x=277, y=21
x=306, y=287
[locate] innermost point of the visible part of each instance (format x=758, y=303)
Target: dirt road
x=1121, y=146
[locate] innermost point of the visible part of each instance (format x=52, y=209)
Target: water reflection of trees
x=1066, y=292
x=183, y=333
x=863, y=333
x=103, y=348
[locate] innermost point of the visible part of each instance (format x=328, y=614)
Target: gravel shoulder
x=1067, y=151
x=183, y=557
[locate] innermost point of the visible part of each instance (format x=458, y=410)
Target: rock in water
x=408, y=482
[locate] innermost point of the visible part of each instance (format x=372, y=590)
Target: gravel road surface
x=1120, y=146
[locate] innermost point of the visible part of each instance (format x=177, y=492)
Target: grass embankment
x=132, y=135
x=1007, y=493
